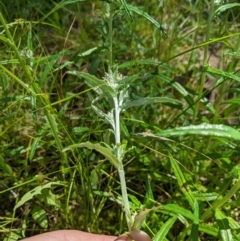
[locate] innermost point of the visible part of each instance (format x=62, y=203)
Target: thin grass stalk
x=205, y=59
x=223, y=85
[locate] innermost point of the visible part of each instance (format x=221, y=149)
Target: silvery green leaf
x=99, y=85
x=119, y=152
x=107, y=117
x=152, y=100
x=123, y=95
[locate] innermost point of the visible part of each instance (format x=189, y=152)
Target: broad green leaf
x=147, y=16
x=108, y=153
x=162, y=233
x=151, y=100
x=202, y=129
x=225, y=7
x=182, y=182
x=224, y=226
x=40, y=217
x=37, y=190
x=94, y=82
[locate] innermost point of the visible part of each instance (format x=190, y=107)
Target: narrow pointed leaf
x=220, y=202
x=204, y=130
x=225, y=7
x=126, y=8
x=178, y=87
x=97, y=147
x=162, y=233
x=175, y=209
x=209, y=229
x=223, y=73
x=151, y=100
x=182, y=182
x=148, y=17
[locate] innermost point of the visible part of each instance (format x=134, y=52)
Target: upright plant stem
x=120, y=165
x=110, y=8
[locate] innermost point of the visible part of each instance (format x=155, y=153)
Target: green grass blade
x=176, y=209
x=182, y=182
x=225, y=7
x=202, y=130
x=125, y=5
x=219, y=203
x=162, y=233
x=223, y=74
x=147, y=16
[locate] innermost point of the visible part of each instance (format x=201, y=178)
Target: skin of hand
x=70, y=235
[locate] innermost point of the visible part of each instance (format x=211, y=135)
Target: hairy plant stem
x=117, y=130
x=120, y=165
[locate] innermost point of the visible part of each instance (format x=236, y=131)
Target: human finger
x=69, y=235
